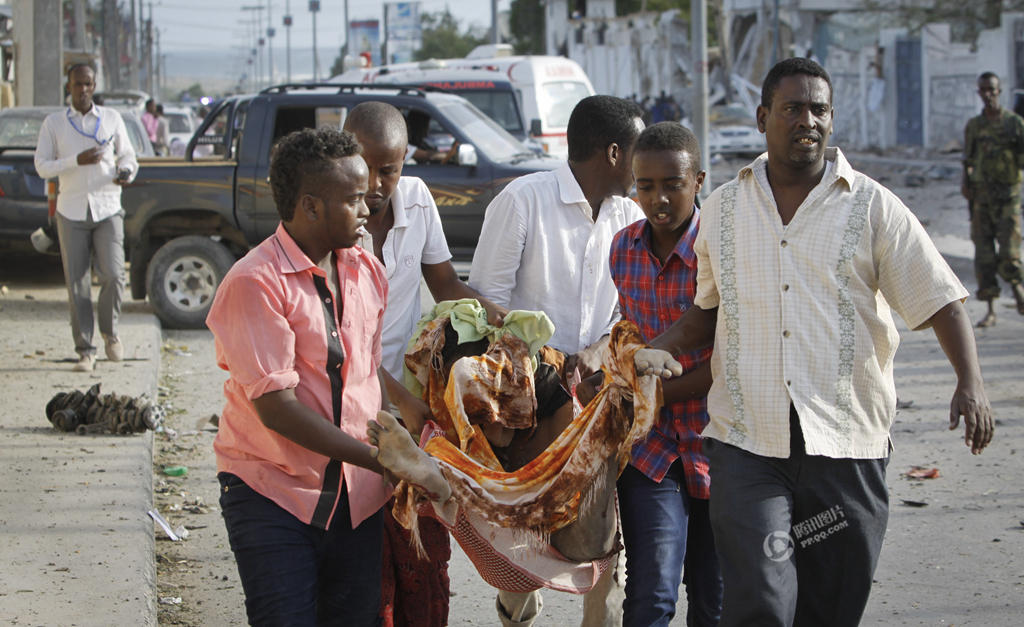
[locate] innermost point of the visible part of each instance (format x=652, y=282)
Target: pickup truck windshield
x=487, y=136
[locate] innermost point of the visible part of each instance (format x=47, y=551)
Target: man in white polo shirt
x=404, y=232
x=87, y=147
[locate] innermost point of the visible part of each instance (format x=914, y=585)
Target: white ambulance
x=546, y=87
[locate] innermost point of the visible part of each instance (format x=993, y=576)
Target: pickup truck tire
x=182, y=278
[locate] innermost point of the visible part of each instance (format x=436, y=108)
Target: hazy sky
x=198, y=25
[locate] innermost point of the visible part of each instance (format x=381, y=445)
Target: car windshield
x=489, y=138
x=559, y=98
x=731, y=114
x=21, y=129
x=178, y=123
x=499, y=105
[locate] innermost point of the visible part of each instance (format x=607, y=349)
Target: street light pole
x=699, y=53
x=258, y=42
x=270, y=46
x=314, y=8
x=288, y=39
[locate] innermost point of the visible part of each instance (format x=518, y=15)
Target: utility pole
x=134, y=47
x=258, y=42
x=699, y=53
x=288, y=39
x=314, y=8
x=344, y=28
x=494, y=21
x=149, y=52
x=78, y=36
x=270, y=46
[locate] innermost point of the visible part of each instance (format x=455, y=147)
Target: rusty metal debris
x=89, y=412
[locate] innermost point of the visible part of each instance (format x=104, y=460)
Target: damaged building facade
x=892, y=85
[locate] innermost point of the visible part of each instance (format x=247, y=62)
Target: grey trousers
x=83, y=242
x=798, y=539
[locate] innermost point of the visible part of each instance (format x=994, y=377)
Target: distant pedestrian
x=149, y=120
x=297, y=327
x=163, y=132
x=993, y=155
x=87, y=148
x=799, y=259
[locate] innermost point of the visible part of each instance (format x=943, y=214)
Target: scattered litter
x=914, y=180
x=166, y=526
x=175, y=471
x=29, y=297
x=204, y=424
x=921, y=472
x=901, y=404
x=910, y=503
x=181, y=532
x=3, y=290
x=170, y=600
x=88, y=412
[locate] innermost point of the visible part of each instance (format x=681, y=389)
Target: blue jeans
x=296, y=574
x=667, y=532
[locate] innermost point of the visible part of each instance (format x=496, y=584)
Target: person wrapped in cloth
x=524, y=482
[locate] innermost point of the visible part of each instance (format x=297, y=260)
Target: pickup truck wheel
x=182, y=278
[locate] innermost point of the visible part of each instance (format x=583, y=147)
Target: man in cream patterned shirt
x=799, y=260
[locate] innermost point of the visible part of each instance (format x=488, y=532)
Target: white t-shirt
x=541, y=249
x=415, y=238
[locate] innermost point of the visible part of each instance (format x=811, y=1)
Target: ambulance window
x=499, y=105
x=561, y=97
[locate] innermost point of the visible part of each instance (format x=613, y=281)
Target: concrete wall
x=38, y=52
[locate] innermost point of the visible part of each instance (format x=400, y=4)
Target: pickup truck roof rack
x=342, y=88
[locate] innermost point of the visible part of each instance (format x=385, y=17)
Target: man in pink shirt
x=149, y=120
x=297, y=324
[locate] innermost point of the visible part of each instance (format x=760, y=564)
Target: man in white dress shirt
x=544, y=246
x=800, y=258
x=87, y=147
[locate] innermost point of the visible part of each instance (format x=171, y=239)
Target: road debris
x=922, y=472
x=89, y=412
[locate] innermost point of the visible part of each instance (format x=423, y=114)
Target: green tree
x=442, y=38
x=339, y=63
x=526, y=23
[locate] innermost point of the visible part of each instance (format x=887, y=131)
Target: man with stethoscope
x=87, y=147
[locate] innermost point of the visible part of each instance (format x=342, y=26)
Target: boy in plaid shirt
x=664, y=491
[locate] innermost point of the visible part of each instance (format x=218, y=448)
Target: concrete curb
x=77, y=543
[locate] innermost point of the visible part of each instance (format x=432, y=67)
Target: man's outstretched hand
x=972, y=403
x=657, y=362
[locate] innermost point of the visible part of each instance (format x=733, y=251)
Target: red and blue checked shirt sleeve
x=653, y=296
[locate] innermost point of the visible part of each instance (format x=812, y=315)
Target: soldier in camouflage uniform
x=993, y=155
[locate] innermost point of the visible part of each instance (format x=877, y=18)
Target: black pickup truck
x=188, y=220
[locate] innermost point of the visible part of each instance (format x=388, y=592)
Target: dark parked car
x=23, y=203
x=188, y=220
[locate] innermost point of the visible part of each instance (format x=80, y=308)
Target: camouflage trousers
x=995, y=231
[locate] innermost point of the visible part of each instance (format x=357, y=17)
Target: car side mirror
x=535, y=128
x=467, y=155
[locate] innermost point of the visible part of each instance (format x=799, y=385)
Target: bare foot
x=394, y=448
x=1018, y=295
x=592, y=535
x=988, y=321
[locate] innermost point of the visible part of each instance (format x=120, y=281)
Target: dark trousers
x=296, y=574
x=667, y=534
x=798, y=539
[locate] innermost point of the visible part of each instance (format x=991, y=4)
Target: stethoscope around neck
x=95, y=132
